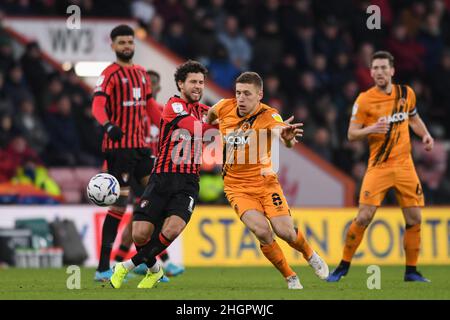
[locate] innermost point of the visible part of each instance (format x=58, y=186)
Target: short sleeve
x=359, y=114
x=412, y=110
x=219, y=107
x=174, y=109
x=274, y=119
x=105, y=84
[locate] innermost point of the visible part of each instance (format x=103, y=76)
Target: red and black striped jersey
x=179, y=151
x=127, y=90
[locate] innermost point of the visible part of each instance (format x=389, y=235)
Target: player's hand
x=428, y=141
x=289, y=121
x=380, y=127
x=291, y=131
x=113, y=131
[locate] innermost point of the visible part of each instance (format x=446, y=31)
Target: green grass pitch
x=228, y=283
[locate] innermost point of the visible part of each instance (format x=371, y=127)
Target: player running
x=252, y=188
x=151, y=137
x=169, y=199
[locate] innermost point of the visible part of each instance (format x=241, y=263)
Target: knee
x=414, y=220
x=173, y=231
x=140, y=238
x=287, y=235
x=264, y=234
x=364, y=217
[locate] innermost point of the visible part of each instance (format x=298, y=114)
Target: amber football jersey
x=394, y=147
x=246, y=143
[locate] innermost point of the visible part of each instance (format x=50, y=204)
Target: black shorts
x=128, y=164
x=168, y=194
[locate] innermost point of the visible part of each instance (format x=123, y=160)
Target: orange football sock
x=354, y=236
x=411, y=243
x=302, y=245
x=274, y=254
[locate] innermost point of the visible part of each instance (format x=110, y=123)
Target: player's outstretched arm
x=290, y=132
x=419, y=128
x=212, y=116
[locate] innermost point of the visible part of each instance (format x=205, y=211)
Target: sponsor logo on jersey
x=396, y=117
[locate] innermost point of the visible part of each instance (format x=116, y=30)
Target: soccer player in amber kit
x=383, y=115
x=252, y=187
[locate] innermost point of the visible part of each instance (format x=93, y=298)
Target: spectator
x=6, y=53
x=238, y=48
x=205, y=39
x=407, y=51
x=321, y=144
x=328, y=41
x=430, y=38
x=439, y=88
x=6, y=105
x=303, y=44
x=30, y=126
x=53, y=92
x=273, y=95
x=288, y=72
x=156, y=28
x=362, y=71
x=143, y=11
x=64, y=145
x=222, y=71
x=268, y=48
x=35, y=72
x=14, y=155
x=177, y=40
x=6, y=129
x=16, y=86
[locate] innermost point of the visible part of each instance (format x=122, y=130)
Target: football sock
x=300, y=244
x=109, y=234
x=129, y=265
x=411, y=243
x=154, y=267
x=164, y=256
x=274, y=254
x=353, y=238
x=122, y=253
x=149, y=251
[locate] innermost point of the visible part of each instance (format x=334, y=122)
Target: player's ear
x=260, y=94
x=180, y=84
x=392, y=71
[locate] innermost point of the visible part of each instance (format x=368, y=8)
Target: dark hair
x=251, y=78
x=383, y=55
x=189, y=66
x=153, y=73
x=121, y=30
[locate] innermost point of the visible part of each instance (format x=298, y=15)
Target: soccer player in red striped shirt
x=122, y=97
x=169, y=199
x=151, y=137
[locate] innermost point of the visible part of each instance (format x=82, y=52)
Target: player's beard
x=125, y=57
x=383, y=84
x=192, y=100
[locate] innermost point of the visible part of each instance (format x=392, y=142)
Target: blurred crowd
x=313, y=56
x=45, y=116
